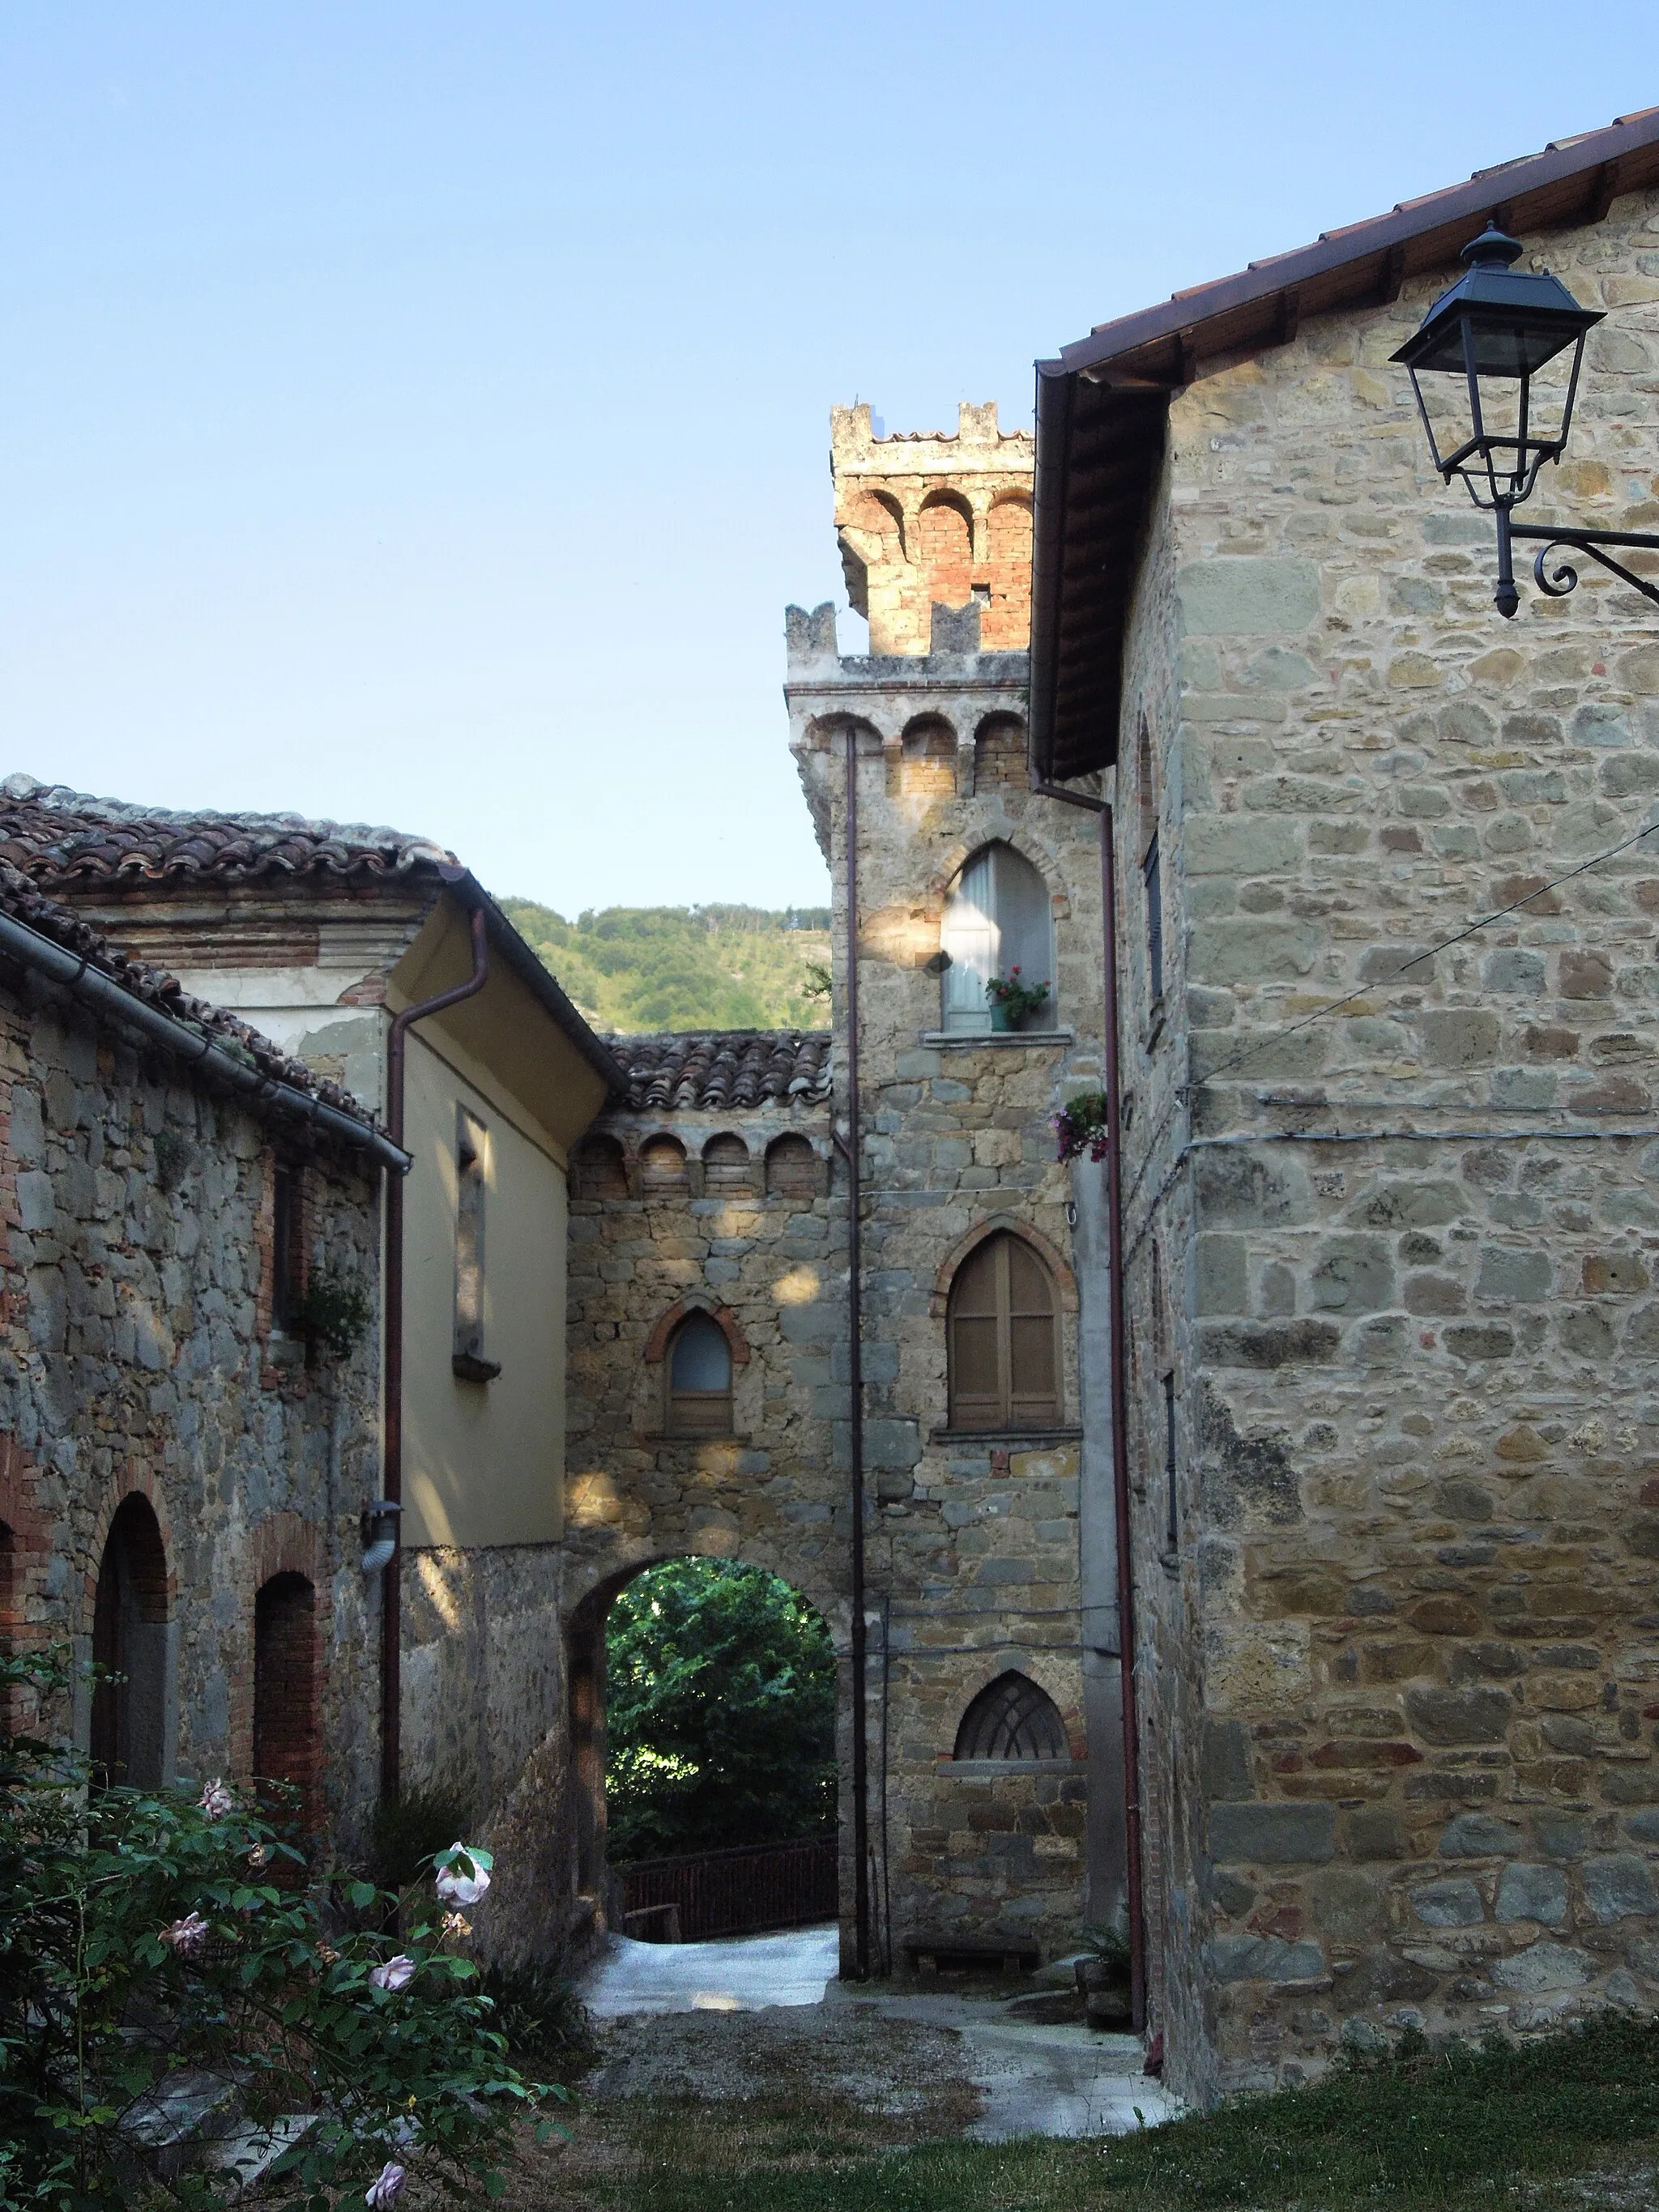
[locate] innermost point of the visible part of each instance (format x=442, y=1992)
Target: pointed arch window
x=699, y=1378
x=1003, y=1326
x=997, y=918
x=1012, y=1718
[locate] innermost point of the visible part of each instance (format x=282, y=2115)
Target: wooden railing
x=735, y=1892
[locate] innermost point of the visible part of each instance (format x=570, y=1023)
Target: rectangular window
x=471, y=1144
x=287, y=1257
x=1172, y=1516
x=1150, y=876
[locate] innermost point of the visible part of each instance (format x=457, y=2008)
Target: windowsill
x=690, y=1437
x=1005, y=1439
x=467, y=1367
x=989, y=1770
x=282, y=1350
x=975, y=1039
x=1170, y=1562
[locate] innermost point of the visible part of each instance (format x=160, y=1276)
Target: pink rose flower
x=456, y=1888
x=396, y=1973
x=185, y=1937
x=386, y=2188
x=218, y=1800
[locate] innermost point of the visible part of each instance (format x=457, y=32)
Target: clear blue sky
x=419, y=413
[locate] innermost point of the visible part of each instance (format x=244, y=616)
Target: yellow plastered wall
x=484, y=1463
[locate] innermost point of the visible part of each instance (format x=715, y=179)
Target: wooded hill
x=632, y=968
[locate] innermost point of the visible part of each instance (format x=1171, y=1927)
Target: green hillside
x=687, y=968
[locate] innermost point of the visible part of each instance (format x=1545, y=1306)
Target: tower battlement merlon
x=926, y=521
x=857, y=448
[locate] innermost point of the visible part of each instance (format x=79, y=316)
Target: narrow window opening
x=287, y=1725
x=468, y=1360
x=1151, y=877
x=287, y=1254
x=1172, y=1508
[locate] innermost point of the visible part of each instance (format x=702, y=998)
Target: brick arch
x=1047, y=1677
x=694, y=1302
x=25, y=1544
x=141, y=1482
x=1050, y=1255
x=999, y=755
x=826, y=732
x=282, y=1544
x=927, y=748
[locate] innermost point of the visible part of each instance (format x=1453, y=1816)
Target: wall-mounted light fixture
x=1494, y=330
x=380, y=1527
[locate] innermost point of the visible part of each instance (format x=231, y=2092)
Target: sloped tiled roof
x=59, y=837
x=25, y=902
x=709, y=1070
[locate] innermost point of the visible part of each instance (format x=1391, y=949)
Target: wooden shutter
x=1003, y=1339
x=699, y=1378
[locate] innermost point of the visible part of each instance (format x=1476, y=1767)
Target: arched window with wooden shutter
x=699, y=1378
x=132, y=1648
x=1003, y=1325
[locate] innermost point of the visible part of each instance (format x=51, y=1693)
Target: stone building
x=181, y=1467
x=1386, y=957
x=324, y=935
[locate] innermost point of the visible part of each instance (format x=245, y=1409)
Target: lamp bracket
x=1564, y=578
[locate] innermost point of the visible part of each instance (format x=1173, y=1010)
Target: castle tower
x=925, y=520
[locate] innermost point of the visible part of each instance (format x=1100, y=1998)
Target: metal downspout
x=392, y=1449
x=851, y=1151
x=1134, y=1903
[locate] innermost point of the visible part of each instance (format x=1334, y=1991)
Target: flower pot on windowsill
x=1002, y=1021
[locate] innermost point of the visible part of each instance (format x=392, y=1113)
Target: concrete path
x=1035, y=2080
x=1032, y=2079
x=745, y=1975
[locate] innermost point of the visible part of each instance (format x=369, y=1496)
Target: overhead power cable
x=1485, y=921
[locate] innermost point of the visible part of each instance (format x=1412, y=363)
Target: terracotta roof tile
x=24, y=902
x=706, y=1070
x=60, y=835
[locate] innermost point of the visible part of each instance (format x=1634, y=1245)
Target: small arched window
x=996, y=919
x=726, y=1165
x=287, y=1720
x=662, y=1167
x=131, y=1646
x=699, y=1366
x=792, y=1168
x=1012, y=1717
x=1003, y=1324
x=600, y=1168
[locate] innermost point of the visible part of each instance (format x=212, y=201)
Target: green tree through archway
x=720, y=1712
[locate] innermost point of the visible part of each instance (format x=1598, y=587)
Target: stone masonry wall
x=1400, y=1259
x=136, y=1209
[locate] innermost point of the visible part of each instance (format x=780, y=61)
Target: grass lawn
x=1573, y=2121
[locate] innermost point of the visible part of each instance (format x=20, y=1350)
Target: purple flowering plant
x=167, y=1951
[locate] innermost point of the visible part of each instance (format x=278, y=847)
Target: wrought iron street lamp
x=1494, y=330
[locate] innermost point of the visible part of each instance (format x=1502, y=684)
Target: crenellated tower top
x=928, y=518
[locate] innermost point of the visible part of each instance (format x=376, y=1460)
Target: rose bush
x=168, y=2019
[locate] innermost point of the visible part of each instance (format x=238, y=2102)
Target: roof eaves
x=539, y=980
